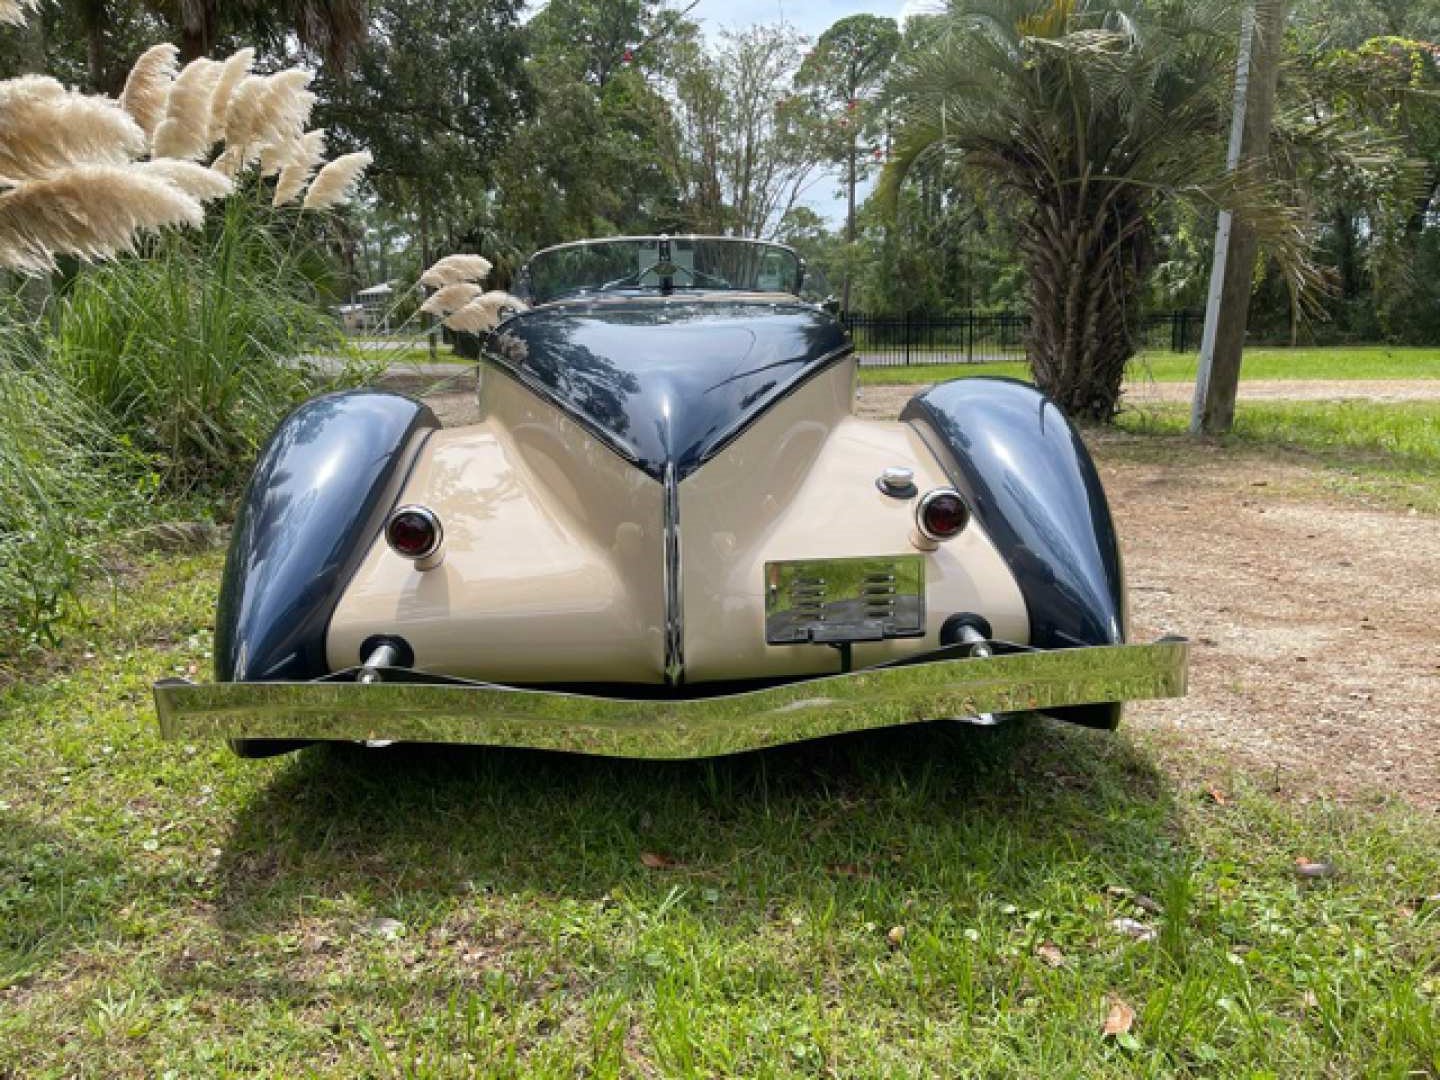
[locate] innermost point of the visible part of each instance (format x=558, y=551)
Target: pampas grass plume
x=484, y=312
x=233, y=71
x=456, y=268
x=451, y=298
x=92, y=212
x=243, y=117
x=13, y=12
x=44, y=130
x=192, y=178
x=148, y=86
x=295, y=173
x=185, y=131
x=288, y=102
x=268, y=110
x=335, y=183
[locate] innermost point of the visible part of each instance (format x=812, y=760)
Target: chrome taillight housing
x=941, y=514
x=415, y=533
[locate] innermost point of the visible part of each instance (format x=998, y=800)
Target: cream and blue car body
x=668, y=535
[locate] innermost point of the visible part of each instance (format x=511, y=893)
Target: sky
x=810, y=16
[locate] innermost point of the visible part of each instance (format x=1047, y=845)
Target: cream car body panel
x=551, y=568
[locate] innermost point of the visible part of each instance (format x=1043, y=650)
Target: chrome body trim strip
x=674, y=583
x=452, y=711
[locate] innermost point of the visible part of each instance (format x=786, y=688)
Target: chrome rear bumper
x=453, y=711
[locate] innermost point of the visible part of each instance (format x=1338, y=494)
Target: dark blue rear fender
x=316, y=502
x=1033, y=487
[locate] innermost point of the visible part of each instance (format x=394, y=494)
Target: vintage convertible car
x=668, y=536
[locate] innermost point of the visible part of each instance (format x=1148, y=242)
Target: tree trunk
x=424, y=222
x=194, y=43
x=850, y=184
x=1085, y=263
x=95, y=58
x=1215, y=411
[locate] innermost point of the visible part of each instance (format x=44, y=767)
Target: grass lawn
x=403, y=352
x=933, y=901
x=1347, y=362
x=1389, y=449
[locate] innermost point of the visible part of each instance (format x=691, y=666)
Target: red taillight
x=942, y=514
x=413, y=532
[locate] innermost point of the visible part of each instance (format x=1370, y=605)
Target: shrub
x=196, y=351
x=56, y=462
x=148, y=378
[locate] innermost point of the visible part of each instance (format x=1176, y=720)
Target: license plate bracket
x=835, y=601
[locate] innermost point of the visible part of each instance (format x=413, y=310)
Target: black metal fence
x=897, y=340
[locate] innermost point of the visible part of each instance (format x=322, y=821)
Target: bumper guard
x=407, y=706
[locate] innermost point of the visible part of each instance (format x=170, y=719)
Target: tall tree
x=1080, y=115
x=748, y=150
x=114, y=32
x=842, y=76
x=600, y=155
x=333, y=29
x=434, y=95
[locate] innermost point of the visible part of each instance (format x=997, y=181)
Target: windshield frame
x=524, y=285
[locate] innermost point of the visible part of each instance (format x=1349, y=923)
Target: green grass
x=170, y=910
x=1348, y=362
x=443, y=355
x=399, y=353
x=1391, y=450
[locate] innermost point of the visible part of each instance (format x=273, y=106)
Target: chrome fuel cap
x=898, y=482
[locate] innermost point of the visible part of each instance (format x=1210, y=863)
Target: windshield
x=661, y=264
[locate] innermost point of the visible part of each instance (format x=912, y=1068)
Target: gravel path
x=1296, y=390
x=1315, y=663
x=890, y=399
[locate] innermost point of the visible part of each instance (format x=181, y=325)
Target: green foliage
x=434, y=94
x=1388, y=452
x=1331, y=364
x=842, y=78
x=57, y=458
x=599, y=156
x=747, y=144
x=1081, y=117
x=192, y=352
x=946, y=249
x=146, y=381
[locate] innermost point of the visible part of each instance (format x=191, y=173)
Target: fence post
x=905, y=338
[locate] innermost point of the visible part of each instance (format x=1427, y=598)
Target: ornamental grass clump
x=58, y=459
x=154, y=373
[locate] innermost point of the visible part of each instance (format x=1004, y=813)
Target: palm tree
x=333, y=28
x=1082, y=115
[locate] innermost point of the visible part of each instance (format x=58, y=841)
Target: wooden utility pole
x=1227, y=309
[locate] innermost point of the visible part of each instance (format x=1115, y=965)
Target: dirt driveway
x=1317, y=662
